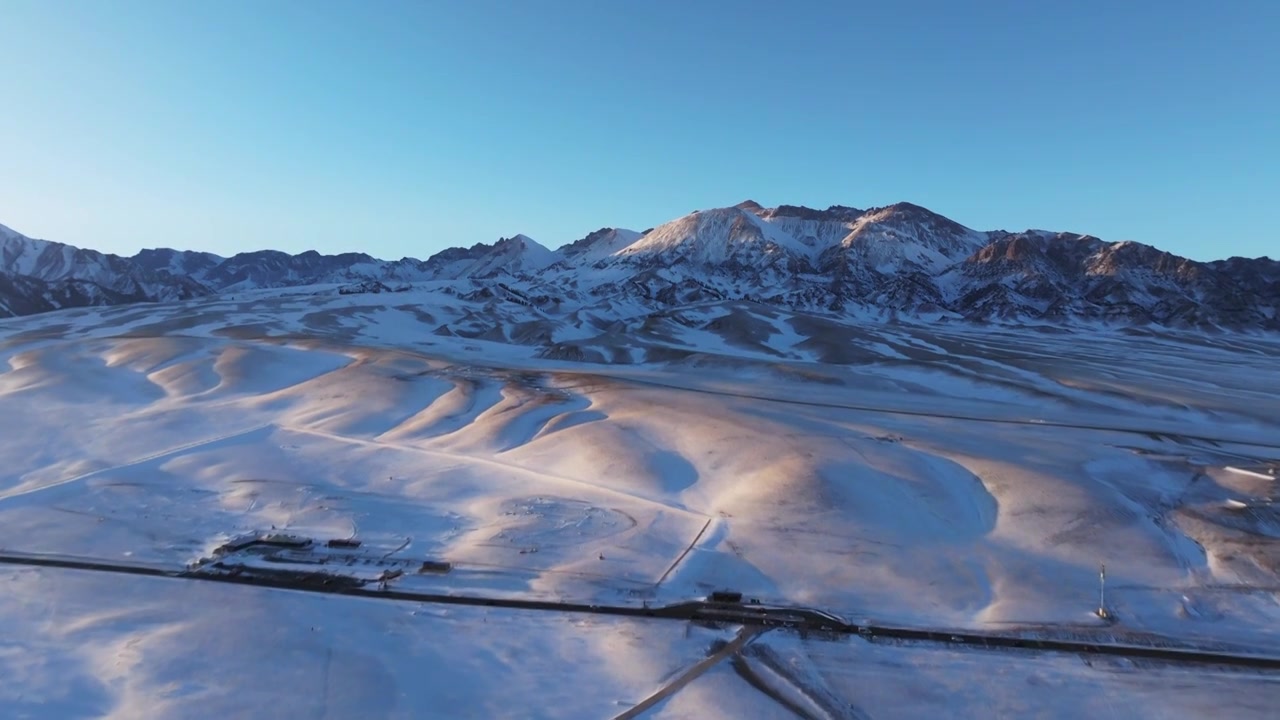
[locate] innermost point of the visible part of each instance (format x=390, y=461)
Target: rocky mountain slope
x=896, y=261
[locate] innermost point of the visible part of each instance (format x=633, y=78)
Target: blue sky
x=400, y=128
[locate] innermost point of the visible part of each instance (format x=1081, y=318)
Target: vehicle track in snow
x=693, y=543
x=560, y=479
x=21, y=493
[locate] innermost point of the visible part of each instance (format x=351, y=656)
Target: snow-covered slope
x=905, y=238
x=514, y=256
x=817, y=229
x=939, y=476
x=723, y=239
x=597, y=246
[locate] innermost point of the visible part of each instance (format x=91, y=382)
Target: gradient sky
x=400, y=128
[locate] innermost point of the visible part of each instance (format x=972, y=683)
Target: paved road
x=744, y=636
x=757, y=616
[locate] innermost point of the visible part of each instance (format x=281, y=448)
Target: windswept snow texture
x=936, y=476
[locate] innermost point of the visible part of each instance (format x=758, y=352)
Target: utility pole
x=1102, y=591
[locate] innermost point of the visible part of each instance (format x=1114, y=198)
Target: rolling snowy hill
x=943, y=476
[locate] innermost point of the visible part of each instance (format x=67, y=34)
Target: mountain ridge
x=889, y=260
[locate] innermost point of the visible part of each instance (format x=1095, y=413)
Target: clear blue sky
x=400, y=128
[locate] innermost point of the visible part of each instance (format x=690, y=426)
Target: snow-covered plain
x=942, y=476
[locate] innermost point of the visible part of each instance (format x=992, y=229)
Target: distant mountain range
x=899, y=260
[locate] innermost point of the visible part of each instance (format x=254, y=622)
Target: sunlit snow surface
x=947, y=477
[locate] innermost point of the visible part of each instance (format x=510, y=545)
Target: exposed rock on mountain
x=195, y=265
x=70, y=273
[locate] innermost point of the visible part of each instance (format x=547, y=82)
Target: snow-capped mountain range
x=896, y=261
